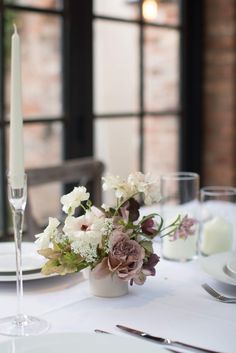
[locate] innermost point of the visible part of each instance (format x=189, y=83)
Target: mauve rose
x=126, y=256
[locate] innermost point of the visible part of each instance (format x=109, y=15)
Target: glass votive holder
x=218, y=219
x=180, y=196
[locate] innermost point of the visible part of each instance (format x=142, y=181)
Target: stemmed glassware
x=20, y=324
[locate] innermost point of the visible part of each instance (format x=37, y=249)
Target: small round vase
x=110, y=286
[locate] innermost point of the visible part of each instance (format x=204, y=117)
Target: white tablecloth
x=171, y=304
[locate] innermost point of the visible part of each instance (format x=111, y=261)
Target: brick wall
x=219, y=158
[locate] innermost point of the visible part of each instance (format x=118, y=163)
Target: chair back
x=83, y=171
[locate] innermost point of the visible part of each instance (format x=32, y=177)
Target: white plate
x=231, y=267
x=31, y=260
x=79, y=343
x=215, y=266
x=26, y=277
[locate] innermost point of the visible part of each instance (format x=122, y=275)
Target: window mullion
x=78, y=103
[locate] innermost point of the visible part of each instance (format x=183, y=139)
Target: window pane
x=161, y=144
x=117, y=145
x=42, y=210
x=43, y=147
x=116, y=8
x=41, y=63
x=42, y=144
x=52, y=4
x=116, y=65
x=161, y=69
x=166, y=12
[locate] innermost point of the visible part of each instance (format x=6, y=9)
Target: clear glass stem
x=20, y=324
x=18, y=219
x=17, y=199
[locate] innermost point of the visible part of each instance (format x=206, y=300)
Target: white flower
x=137, y=180
x=152, y=191
x=98, y=213
x=107, y=227
x=121, y=187
x=105, y=207
x=86, y=245
x=49, y=233
x=60, y=238
x=74, y=226
x=111, y=182
x=85, y=233
x=145, y=184
x=72, y=200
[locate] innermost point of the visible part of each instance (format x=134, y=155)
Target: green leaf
x=89, y=204
x=50, y=267
x=82, y=265
x=49, y=253
x=70, y=259
x=147, y=245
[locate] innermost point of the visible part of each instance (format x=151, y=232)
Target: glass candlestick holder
x=20, y=324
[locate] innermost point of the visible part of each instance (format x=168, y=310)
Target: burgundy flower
x=147, y=270
x=130, y=210
x=149, y=267
x=149, y=227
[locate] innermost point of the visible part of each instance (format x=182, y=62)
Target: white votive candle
x=180, y=249
x=217, y=236
x=16, y=163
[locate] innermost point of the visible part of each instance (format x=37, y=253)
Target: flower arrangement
x=109, y=239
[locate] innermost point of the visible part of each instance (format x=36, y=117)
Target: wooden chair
x=82, y=171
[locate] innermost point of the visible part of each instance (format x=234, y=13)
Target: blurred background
x=140, y=84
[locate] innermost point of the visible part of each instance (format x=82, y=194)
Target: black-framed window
x=41, y=26
x=138, y=84
x=77, y=119
x=164, y=122
x=84, y=111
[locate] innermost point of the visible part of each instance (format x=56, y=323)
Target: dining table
x=171, y=304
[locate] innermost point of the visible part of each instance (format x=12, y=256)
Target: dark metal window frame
x=5, y=123
x=190, y=86
x=77, y=61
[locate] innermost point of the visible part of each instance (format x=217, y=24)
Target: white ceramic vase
x=108, y=287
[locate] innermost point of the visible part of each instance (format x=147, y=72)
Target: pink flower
x=125, y=257
x=185, y=228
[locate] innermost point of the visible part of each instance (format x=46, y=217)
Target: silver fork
x=217, y=295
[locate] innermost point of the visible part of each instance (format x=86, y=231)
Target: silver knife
x=164, y=341
x=109, y=333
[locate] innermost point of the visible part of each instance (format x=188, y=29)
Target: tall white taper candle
x=16, y=165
